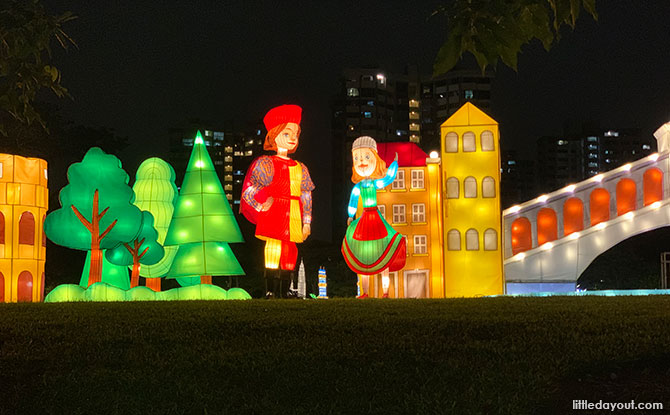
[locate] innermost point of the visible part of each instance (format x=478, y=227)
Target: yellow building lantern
x=24, y=200
x=471, y=204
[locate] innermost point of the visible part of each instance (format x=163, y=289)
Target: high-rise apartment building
x=442, y=95
x=566, y=160
x=231, y=148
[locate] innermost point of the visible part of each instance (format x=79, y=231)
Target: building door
x=416, y=284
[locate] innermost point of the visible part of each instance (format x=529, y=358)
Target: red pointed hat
x=282, y=114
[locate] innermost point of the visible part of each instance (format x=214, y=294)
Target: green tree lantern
x=144, y=249
x=203, y=223
x=112, y=274
x=156, y=192
x=96, y=209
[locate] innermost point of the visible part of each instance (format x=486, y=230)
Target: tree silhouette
x=156, y=192
x=144, y=249
x=203, y=223
x=96, y=209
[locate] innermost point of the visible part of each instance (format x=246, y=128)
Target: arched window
x=472, y=240
x=470, y=187
x=451, y=143
x=454, y=240
x=488, y=187
x=44, y=234
x=573, y=216
x=487, y=141
x=599, y=206
x=652, y=186
x=27, y=229
x=490, y=240
x=2, y=228
x=453, y=191
x=2, y=288
x=24, y=287
x=522, y=240
x=469, y=142
x=626, y=195
x=547, y=226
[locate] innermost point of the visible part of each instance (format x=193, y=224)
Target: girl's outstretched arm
x=390, y=175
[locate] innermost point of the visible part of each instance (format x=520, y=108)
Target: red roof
x=409, y=154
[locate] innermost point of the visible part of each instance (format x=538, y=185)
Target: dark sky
x=142, y=67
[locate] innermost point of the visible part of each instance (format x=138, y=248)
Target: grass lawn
x=462, y=356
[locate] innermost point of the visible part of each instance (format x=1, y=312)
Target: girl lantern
x=277, y=192
x=371, y=245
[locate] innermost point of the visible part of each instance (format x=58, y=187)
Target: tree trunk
x=95, y=269
x=135, y=275
x=154, y=283
x=206, y=279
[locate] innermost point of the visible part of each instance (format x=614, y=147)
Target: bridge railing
x=579, y=206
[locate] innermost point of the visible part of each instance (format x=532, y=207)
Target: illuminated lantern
x=23, y=205
x=277, y=192
x=302, y=283
x=371, y=245
x=156, y=192
x=203, y=223
x=470, y=152
x=144, y=249
x=323, y=283
x=96, y=209
x=112, y=274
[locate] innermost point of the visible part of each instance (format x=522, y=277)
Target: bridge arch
x=522, y=238
x=599, y=205
x=573, y=215
x=652, y=185
x=626, y=196
x=547, y=226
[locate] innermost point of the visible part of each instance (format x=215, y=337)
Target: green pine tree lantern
x=203, y=223
x=156, y=192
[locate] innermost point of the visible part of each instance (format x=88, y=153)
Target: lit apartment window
x=249, y=153
x=420, y=245
x=382, y=210
x=470, y=187
x=228, y=188
x=417, y=179
x=454, y=240
x=229, y=196
x=451, y=143
x=367, y=114
x=487, y=141
x=488, y=187
x=228, y=159
x=469, y=142
x=399, y=214
x=413, y=103
x=228, y=168
x=352, y=92
x=469, y=94
x=414, y=138
x=646, y=147
x=208, y=133
x=452, y=188
x=399, y=182
x=218, y=163
x=418, y=213
x=228, y=178
x=414, y=127
x=490, y=240
x=228, y=149
x=472, y=240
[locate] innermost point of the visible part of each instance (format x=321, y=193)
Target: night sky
x=142, y=69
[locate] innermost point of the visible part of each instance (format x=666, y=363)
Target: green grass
x=496, y=355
